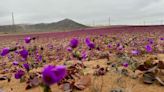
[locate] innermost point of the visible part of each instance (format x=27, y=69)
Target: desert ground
x=109, y=59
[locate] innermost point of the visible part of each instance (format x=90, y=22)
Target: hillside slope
x=63, y=25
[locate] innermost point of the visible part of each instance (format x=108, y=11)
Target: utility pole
x=13, y=23
x=144, y=23
x=93, y=23
x=109, y=21
x=161, y=22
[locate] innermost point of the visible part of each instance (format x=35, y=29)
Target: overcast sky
x=83, y=11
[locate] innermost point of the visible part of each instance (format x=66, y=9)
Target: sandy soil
x=109, y=81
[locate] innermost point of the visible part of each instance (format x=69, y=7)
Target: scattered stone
x=4, y=78
x=160, y=81
x=148, y=78
x=125, y=72
x=109, y=63
x=84, y=82
x=117, y=90
x=67, y=87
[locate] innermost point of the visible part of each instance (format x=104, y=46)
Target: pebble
x=117, y=90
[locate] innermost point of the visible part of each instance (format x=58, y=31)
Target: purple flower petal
x=87, y=40
x=118, y=45
x=109, y=46
x=5, y=51
x=148, y=48
x=26, y=66
x=74, y=43
x=39, y=58
x=60, y=72
x=19, y=74
x=90, y=44
x=84, y=55
x=69, y=49
x=150, y=41
x=27, y=39
x=162, y=39
x=15, y=63
x=24, y=53
x=125, y=64
x=53, y=74
x=135, y=52
x=50, y=46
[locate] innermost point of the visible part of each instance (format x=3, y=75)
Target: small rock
x=148, y=78
x=67, y=87
x=84, y=82
x=125, y=72
x=3, y=78
x=160, y=81
x=117, y=90
x=109, y=63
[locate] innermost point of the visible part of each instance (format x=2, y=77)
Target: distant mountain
x=63, y=25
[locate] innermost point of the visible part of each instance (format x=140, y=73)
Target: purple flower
x=17, y=52
x=90, y=44
x=19, y=74
x=22, y=59
x=26, y=66
x=109, y=46
x=39, y=58
x=125, y=64
x=27, y=39
x=118, y=45
x=24, y=53
x=148, y=48
x=69, y=49
x=135, y=52
x=5, y=51
x=50, y=46
x=15, y=63
x=10, y=57
x=17, y=43
x=84, y=55
x=74, y=43
x=150, y=41
x=53, y=74
x=6, y=70
x=87, y=40
x=161, y=38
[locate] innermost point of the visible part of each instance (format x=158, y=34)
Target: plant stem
x=47, y=88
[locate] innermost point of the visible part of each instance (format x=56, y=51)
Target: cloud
x=84, y=11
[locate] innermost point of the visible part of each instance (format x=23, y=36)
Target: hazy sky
x=83, y=11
